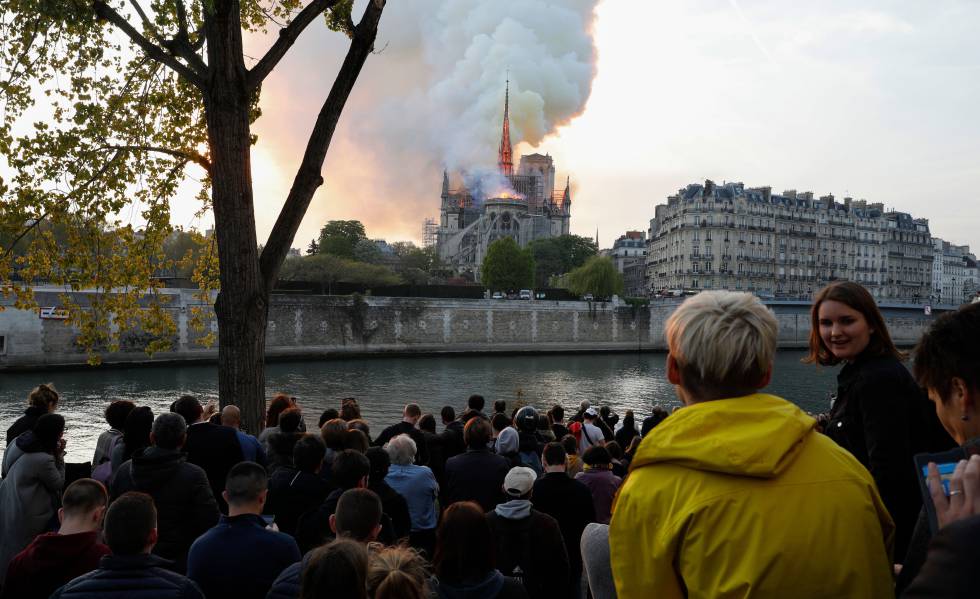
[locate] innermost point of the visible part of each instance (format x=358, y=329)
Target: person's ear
x=97, y=514
x=333, y=523
x=673, y=370
x=153, y=439
x=263, y=495
x=61, y=515
x=375, y=532
x=766, y=378
x=363, y=483
x=151, y=541
x=183, y=439
x=960, y=397
x=224, y=495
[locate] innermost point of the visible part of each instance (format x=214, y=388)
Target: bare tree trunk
x=242, y=304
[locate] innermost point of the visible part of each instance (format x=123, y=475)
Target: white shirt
x=591, y=435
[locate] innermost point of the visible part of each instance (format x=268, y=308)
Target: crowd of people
x=737, y=493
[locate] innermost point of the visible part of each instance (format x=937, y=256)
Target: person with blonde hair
x=743, y=477
x=397, y=573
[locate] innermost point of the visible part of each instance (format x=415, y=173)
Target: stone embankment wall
x=346, y=326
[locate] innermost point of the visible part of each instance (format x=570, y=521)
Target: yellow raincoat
x=743, y=498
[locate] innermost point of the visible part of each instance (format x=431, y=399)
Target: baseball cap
x=519, y=481
x=591, y=412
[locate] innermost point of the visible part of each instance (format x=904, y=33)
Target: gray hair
x=401, y=450
x=724, y=343
x=168, y=428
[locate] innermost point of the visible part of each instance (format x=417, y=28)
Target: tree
x=559, y=255
x=313, y=248
x=506, y=266
x=339, y=237
x=328, y=269
x=368, y=252
x=597, y=276
x=136, y=92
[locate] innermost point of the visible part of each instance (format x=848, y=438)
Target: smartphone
x=946, y=463
x=269, y=519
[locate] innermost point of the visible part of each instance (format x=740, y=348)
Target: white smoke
x=432, y=98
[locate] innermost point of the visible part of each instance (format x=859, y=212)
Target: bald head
x=231, y=416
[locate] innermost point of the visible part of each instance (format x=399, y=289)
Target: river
x=383, y=386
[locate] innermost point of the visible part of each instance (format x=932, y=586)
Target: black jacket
x=186, y=509
x=952, y=568
x=452, y=439
x=434, y=442
x=293, y=493
x=883, y=418
x=532, y=549
x=25, y=422
x=313, y=527
x=215, y=449
x=395, y=506
x=406, y=428
x=476, y=475
x=494, y=586
x=289, y=582
x=143, y=576
x=570, y=503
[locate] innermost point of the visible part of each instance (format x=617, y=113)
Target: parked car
x=524, y=294
x=498, y=295
x=588, y=297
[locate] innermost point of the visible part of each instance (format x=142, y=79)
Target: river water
x=383, y=386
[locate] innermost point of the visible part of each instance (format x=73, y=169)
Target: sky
x=634, y=100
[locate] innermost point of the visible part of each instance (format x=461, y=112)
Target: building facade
x=628, y=254
x=954, y=273
x=521, y=204
x=785, y=246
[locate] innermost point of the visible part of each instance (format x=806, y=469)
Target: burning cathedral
x=524, y=205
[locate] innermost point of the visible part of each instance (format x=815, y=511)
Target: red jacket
x=49, y=562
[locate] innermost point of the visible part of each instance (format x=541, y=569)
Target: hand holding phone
x=955, y=496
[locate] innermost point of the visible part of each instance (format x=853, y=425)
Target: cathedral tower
x=505, y=159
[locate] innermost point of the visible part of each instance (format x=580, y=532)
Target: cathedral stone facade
x=524, y=205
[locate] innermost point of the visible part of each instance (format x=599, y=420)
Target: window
x=3, y=345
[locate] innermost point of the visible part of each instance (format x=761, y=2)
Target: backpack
x=531, y=460
x=516, y=546
x=103, y=472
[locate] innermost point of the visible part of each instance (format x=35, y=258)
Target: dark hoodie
x=51, y=561
x=494, y=586
x=25, y=422
x=186, y=508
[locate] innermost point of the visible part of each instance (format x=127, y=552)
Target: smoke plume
x=432, y=98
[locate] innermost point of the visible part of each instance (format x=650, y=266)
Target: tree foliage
x=368, y=251
x=340, y=237
x=106, y=108
x=328, y=269
x=558, y=255
x=598, y=276
x=507, y=267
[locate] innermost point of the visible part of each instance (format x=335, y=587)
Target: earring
x=965, y=417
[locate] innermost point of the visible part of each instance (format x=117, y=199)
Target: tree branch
x=308, y=178
x=152, y=50
x=147, y=24
x=287, y=37
x=185, y=154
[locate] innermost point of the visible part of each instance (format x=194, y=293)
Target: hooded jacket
x=30, y=494
x=51, y=561
x=185, y=506
x=742, y=498
x=25, y=422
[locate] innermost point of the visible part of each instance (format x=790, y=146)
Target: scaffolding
x=430, y=232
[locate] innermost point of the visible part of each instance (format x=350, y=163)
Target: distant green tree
x=559, y=255
x=506, y=266
x=180, y=252
x=368, y=252
x=313, y=248
x=339, y=237
x=328, y=269
x=597, y=276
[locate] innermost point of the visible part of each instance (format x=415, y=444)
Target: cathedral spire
x=505, y=160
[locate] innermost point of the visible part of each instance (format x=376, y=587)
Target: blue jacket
x=141, y=576
x=239, y=558
x=288, y=584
